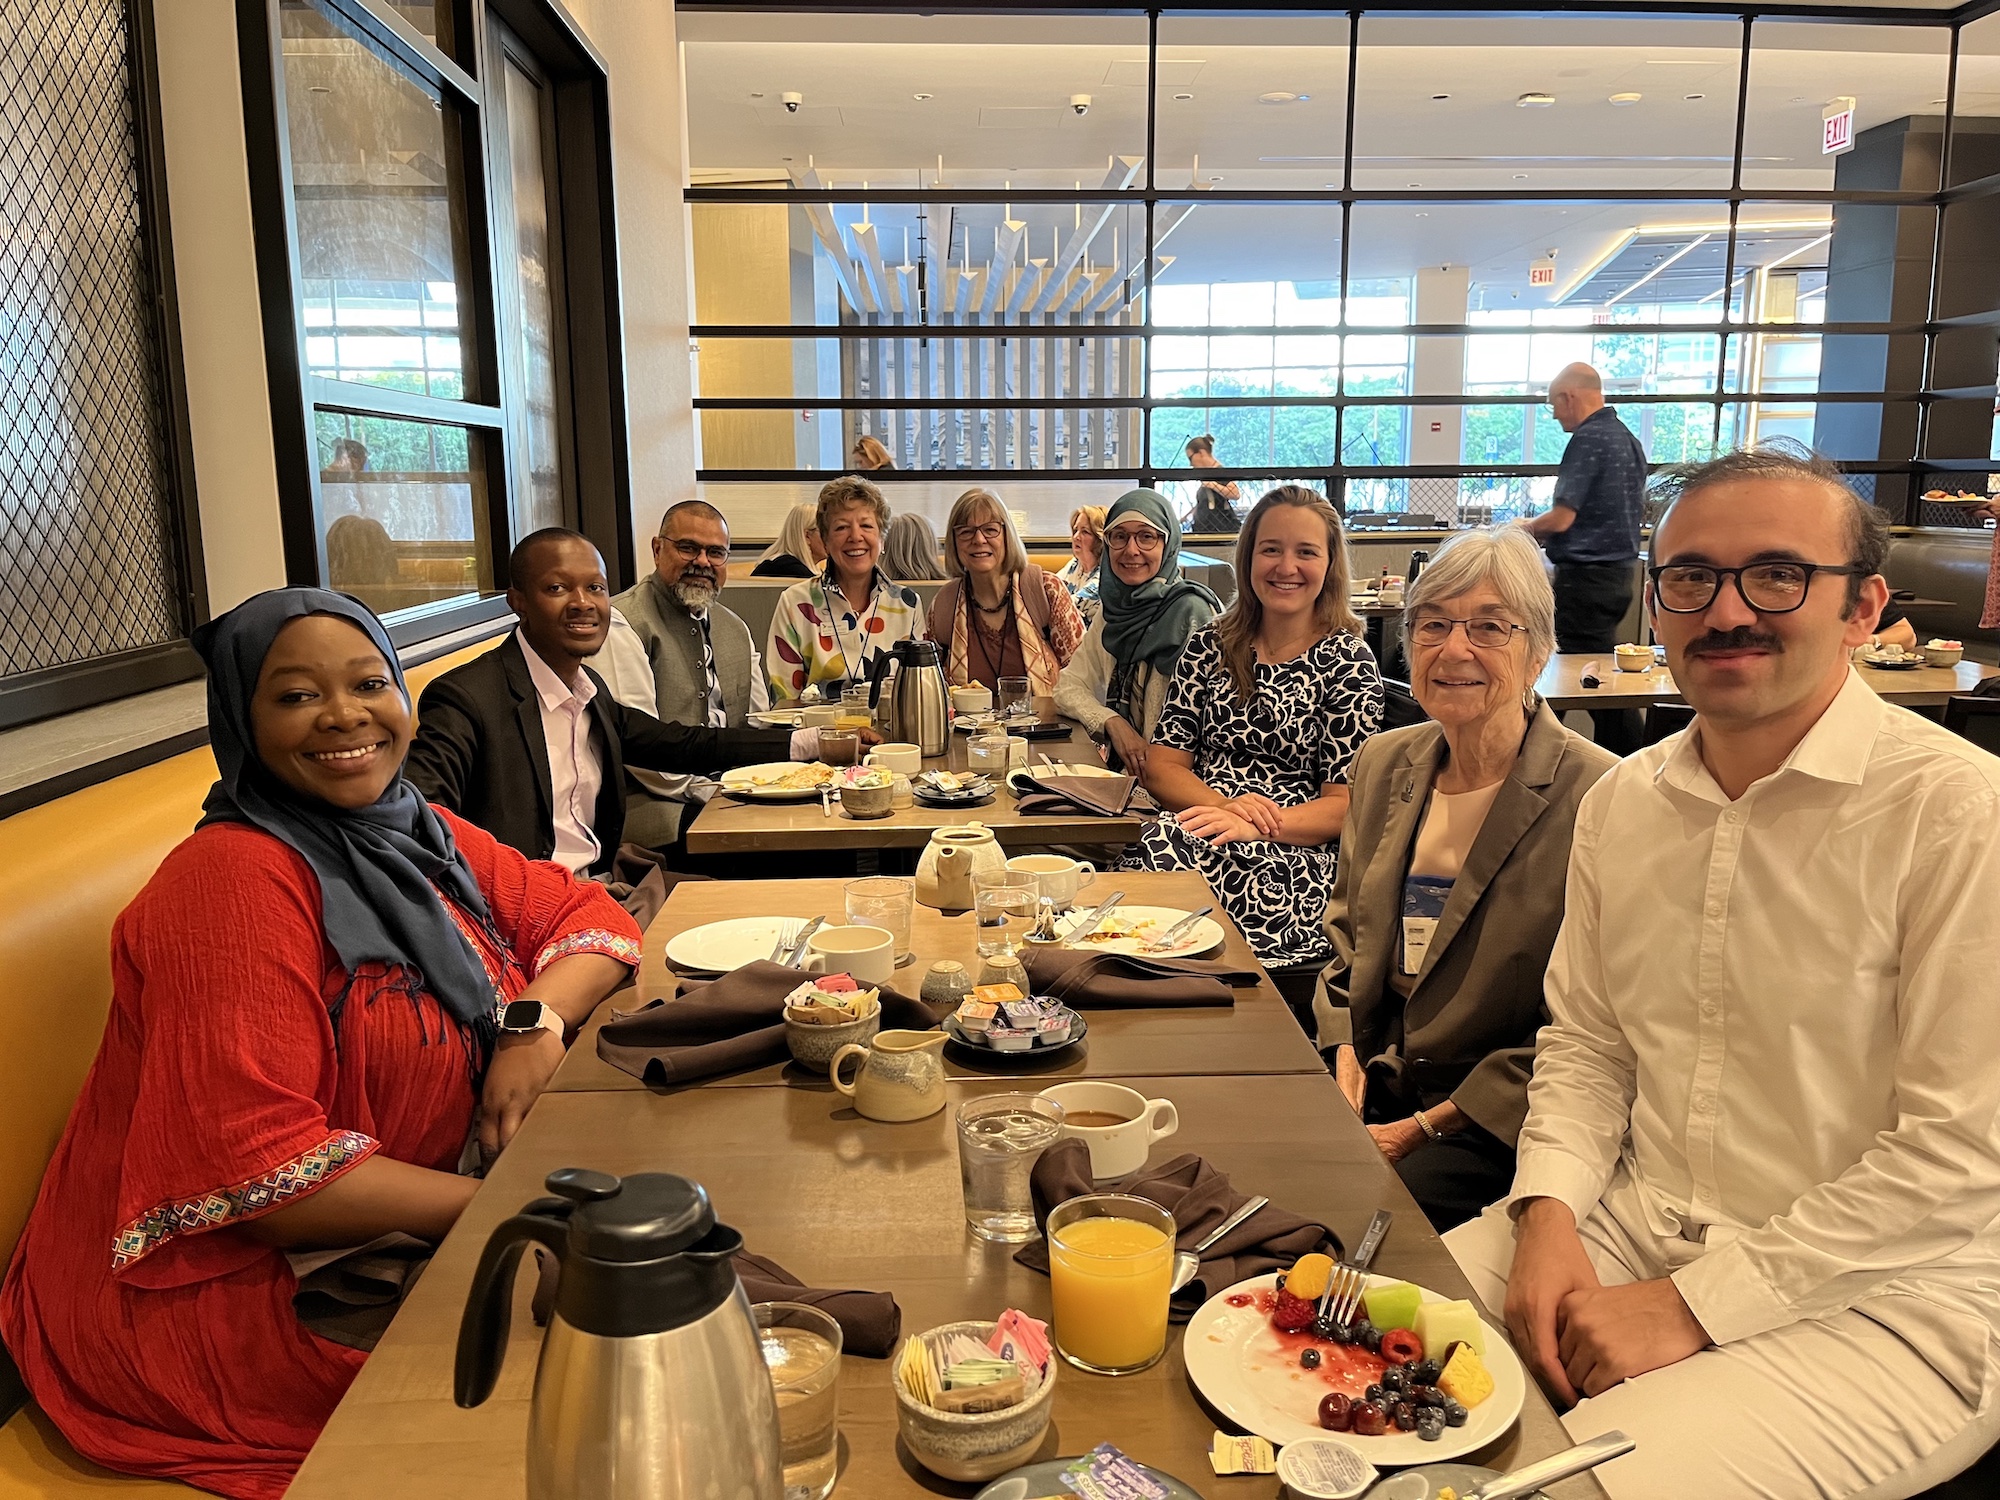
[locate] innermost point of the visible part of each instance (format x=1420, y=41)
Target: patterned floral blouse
x=818, y=637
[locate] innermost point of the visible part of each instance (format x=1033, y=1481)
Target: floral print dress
x=1309, y=718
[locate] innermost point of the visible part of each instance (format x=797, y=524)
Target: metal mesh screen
x=86, y=548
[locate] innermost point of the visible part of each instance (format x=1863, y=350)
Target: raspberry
x=1293, y=1314
x=1401, y=1347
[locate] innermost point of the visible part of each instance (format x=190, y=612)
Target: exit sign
x=1837, y=127
x=1542, y=273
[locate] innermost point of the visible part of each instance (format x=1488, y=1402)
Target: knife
x=1176, y=932
x=799, y=944
x=1088, y=925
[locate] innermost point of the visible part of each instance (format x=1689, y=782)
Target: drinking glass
x=1015, y=700
x=839, y=747
x=801, y=1348
x=1000, y=1138
x=988, y=751
x=885, y=901
x=1003, y=901
x=1111, y=1264
x=854, y=710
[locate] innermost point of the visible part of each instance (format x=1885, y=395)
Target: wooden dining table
x=1255, y=1035
x=842, y=1201
x=735, y=825
x=1561, y=683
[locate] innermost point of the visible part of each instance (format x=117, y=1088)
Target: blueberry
x=1405, y=1416
x=1374, y=1393
x=1395, y=1379
x=1309, y=1358
x=1426, y=1372
x=1426, y=1395
x=1280, y=1284
x=1454, y=1414
x=1430, y=1424
x=1368, y=1336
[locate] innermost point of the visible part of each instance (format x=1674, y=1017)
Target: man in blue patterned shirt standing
x=1591, y=530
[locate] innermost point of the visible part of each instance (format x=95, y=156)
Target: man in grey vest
x=679, y=655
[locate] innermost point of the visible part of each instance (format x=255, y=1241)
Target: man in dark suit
x=528, y=742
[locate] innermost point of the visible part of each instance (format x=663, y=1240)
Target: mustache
x=1742, y=638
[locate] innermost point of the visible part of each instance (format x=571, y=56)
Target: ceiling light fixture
x=1534, y=101
x=1692, y=98
x=756, y=95
x=1619, y=101
x=920, y=98
x=1423, y=214
x=1439, y=98
x=1279, y=96
x=1184, y=97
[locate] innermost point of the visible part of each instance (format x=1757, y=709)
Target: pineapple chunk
x=1466, y=1379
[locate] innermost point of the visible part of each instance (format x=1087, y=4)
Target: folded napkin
x=1055, y=792
x=869, y=1321
x=1199, y=1198
x=724, y=1026
x=350, y=1295
x=1087, y=979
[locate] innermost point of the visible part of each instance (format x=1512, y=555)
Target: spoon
x=1188, y=1262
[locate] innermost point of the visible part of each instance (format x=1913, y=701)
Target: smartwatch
x=525, y=1017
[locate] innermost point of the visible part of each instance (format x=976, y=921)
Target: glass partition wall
x=1046, y=249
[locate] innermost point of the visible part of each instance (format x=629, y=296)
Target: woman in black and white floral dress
x=1267, y=709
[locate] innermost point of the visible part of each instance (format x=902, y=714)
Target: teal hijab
x=1151, y=621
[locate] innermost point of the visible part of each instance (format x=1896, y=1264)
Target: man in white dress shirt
x=1756, y=1216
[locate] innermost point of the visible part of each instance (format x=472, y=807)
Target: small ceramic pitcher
x=901, y=1076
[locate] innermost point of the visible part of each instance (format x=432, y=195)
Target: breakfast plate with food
x=778, y=781
x=1413, y=1378
x=1127, y=929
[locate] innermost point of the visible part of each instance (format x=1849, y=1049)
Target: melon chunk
x=1392, y=1304
x=1442, y=1324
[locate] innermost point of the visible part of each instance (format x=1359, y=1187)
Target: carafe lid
x=649, y=1216
x=919, y=653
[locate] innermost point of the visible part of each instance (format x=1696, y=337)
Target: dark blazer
x=479, y=750
x=1467, y=1032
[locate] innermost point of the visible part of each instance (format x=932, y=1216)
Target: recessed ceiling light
x=1214, y=177
x=1621, y=100
x=1423, y=214
x=1520, y=176
x=1534, y=101
x=1184, y=97
x=1279, y=96
x=755, y=95
x=920, y=98
x=1691, y=98
x=1416, y=184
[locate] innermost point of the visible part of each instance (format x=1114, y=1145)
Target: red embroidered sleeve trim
x=590, y=940
x=292, y=1179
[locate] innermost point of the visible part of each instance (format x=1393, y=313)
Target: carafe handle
x=489, y=1307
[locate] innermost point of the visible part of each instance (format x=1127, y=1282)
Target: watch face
x=521, y=1015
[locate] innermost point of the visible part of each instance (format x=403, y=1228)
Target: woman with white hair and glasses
x=1451, y=877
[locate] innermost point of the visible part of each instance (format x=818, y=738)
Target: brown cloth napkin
x=727, y=1025
x=869, y=1321
x=1093, y=980
x=349, y=1296
x=1199, y=1198
x=1054, y=792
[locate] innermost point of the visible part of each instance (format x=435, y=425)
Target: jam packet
x=1242, y=1455
x=1104, y=1473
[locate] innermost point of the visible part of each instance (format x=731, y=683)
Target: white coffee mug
x=821, y=716
x=1115, y=1148
x=868, y=953
x=1056, y=876
x=906, y=759
x=1017, y=753
x=976, y=699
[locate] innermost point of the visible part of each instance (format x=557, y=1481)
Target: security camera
x=1080, y=103
x=792, y=102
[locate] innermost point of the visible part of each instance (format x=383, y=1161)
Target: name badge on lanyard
x=1424, y=897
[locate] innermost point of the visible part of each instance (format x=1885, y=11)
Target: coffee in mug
x=1132, y=1123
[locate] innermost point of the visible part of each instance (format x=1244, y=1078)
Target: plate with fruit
x=1415, y=1378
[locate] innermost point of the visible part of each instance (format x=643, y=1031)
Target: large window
x=409, y=207
x=1353, y=250
x=100, y=572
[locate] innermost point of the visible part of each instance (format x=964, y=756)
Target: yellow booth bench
x=67, y=868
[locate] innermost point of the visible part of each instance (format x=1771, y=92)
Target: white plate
x=1151, y=922
x=772, y=720
x=719, y=947
x=1238, y=1361
x=1955, y=499
x=743, y=781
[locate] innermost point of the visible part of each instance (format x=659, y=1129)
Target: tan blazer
x=1468, y=1031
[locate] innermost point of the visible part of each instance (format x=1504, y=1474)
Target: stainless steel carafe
x=651, y=1384
x=908, y=691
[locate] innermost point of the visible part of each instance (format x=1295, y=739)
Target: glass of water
x=801, y=1348
x=1000, y=1138
x=885, y=901
x=1003, y=901
x=1015, y=699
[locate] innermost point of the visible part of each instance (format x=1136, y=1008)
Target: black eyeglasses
x=1435, y=630
x=1770, y=588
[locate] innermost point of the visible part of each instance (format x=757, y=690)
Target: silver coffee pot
x=907, y=691
x=651, y=1385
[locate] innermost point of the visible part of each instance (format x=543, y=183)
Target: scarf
x=1037, y=660
x=381, y=867
x=1148, y=622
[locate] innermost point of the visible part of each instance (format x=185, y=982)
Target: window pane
x=404, y=506
x=378, y=190
x=538, y=502
x=1894, y=74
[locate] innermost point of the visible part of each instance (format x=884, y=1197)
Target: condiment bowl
x=972, y=1448
x=868, y=801
x=813, y=1046
x=1943, y=656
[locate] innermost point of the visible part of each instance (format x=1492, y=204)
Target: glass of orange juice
x=1111, y=1262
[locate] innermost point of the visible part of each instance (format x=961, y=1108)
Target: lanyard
x=853, y=663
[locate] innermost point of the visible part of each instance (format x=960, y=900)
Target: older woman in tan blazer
x=1450, y=890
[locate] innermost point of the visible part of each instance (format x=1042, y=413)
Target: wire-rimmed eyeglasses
x=1492, y=634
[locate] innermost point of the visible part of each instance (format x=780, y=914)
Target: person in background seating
x=796, y=553
x=1116, y=684
x=1000, y=616
x=870, y=454
x=911, y=553
x=1755, y=1221
x=308, y=1020
x=1450, y=885
x=676, y=653
x=526, y=741
x=1215, y=500
x=831, y=629
x=1086, y=546
x=1267, y=708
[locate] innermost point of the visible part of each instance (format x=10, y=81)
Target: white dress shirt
x=627, y=672
x=574, y=771
x=1773, y=1028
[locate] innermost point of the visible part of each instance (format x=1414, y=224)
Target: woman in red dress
x=303, y=1035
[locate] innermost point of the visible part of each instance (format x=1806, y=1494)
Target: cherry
x=1336, y=1412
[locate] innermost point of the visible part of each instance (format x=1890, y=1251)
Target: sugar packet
x=1023, y=1339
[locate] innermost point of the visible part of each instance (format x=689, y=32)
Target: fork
x=1342, y=1297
